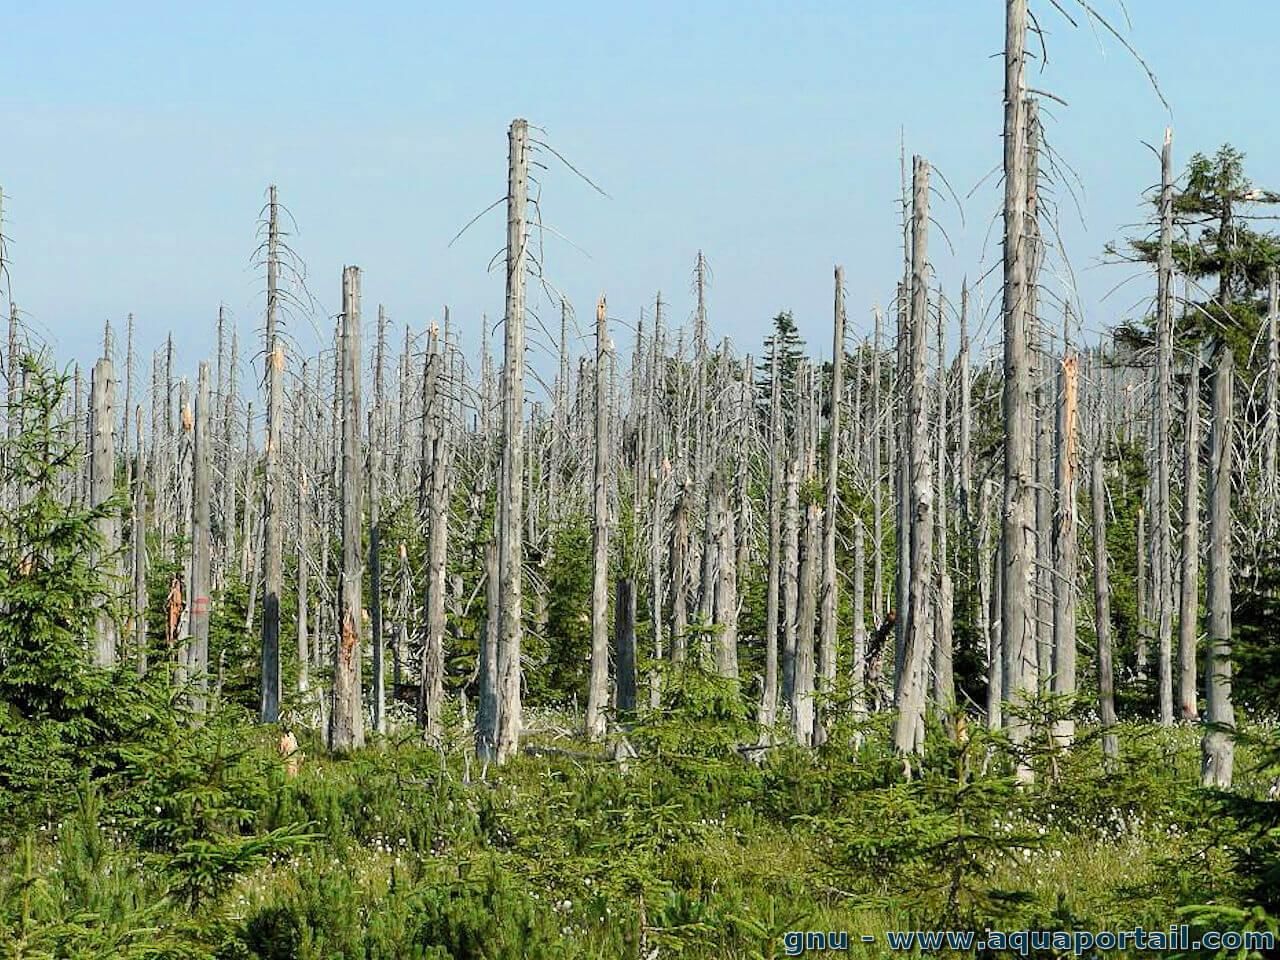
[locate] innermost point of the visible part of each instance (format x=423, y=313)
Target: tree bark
x=272, y=489
x=511, y=487
x=1164, y=379
x=1102, y=614
x=1189, y=596
x=201, y=546
x=346, y=720
x=102, y=471
x=1065, y=572
x=598, y=688
x=1218, y=744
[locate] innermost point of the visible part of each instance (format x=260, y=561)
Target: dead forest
x=825, y=535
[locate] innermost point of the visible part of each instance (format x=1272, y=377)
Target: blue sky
x=137, y=141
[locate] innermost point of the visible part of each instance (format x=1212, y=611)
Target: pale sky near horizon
x=137, y=141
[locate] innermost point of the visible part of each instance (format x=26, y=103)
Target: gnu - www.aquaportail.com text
x=1023, y=943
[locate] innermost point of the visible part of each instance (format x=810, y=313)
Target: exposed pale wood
x=1218, y=744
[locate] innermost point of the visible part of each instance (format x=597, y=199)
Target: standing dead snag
x=346, y=719
x=598, y=688
x=201, y=546
x=827, y=606
x=102, y=471
x=437, y=426
x=139, y=551
x=1064, y=580
x=272, y=488
x=769, y=703
x=1189, y=595
x=1102, y=612
x=1218, y=745
x=1163, y=427
x=1018, y=637
x=944, y=683
x=910, y=686
x=511, y=474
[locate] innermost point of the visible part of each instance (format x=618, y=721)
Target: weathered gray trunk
x=102, y=471
x=773, y=572
x=272, y=487
x=827, y=605
x=726, y=580
x=1218, y=745
x=859, y=671
x=1018, y=636
x=790, y=578
x=598, y=687
x=802, y=709
x=201, y=546
x=989, y=567
x=487, y=708
x=346, y=719
x=944, y=686
x=679, y=576
x=1064, y=579
x=511, y=486
x=910, y=687
x=1189, y=595
x=1163, y=549
x=1102, y=613
x=139, y=551
x=438, y=423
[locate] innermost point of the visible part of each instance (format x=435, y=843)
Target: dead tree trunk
x=726, y=581
x=827, y=605
x=511, y=488
x=944, y=689
x=598, y=689
x=1189, y=597
x=1018, y=524
x=1064, y=579
x=272, y=487
x=346, y=719
x=679, y=575
x=908, y=725
x=1164, y=380
x=102, y=471
x=139, y=550
x=1102, y=613
x=769, y=703
x=438, y=422
x=790, y=577
x=201, y=546
x=1218, y=745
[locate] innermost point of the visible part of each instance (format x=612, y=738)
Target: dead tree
x=910, y=687
x=1163, y=427
x=1064, y=577
x=139, y=551
x=439, y=426
x=769, y=702
x=1018, y=639
x=1102, y=613
x=511, y=487
x=828, y=603
x=272, y=487
x=346, y=718
x=944, y=684
x=1218, y=744
x=598, y=688
x=102, y=471
x=200, y=585
x=1189, y=595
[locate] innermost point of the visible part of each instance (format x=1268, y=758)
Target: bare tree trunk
x=139, y=545
x=802, y=712
x=879, y=416
x=1102, y=614
x=511, y=488
x=1271, y=425
x=438, y=545
x=1164, y=379
x=487, y=709
x=989, y=566
x=201, y=546
x=769, y=703
x=346, y=720
x=1141, y=588
x=859, y=673
x=272, y=488
x=679, y=576
x=1018, y=636
x=598, y=689
x=828, y=603
x=944, y=691
x=102, y=471
x=907, y=732
x=1189, y=598
x=726, y=582
x=1218, y=745
x=1065, y=572
x=790, y=578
